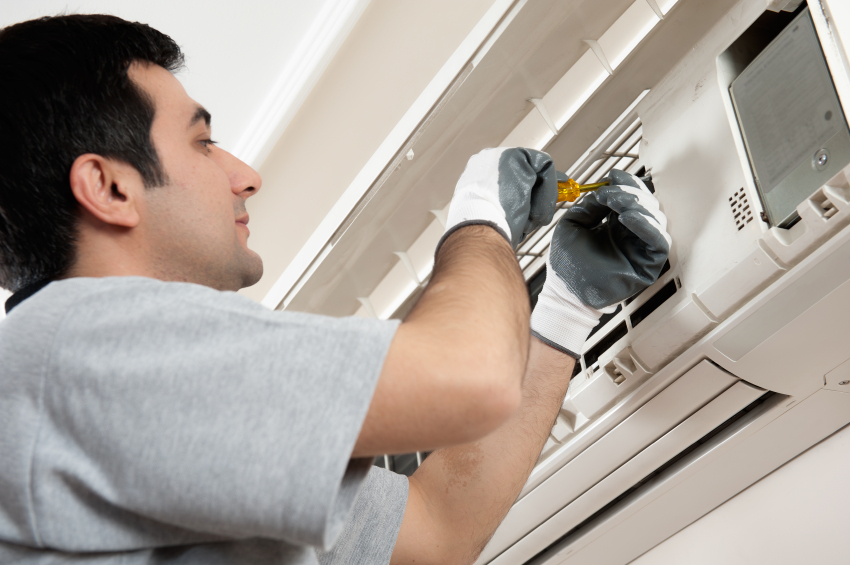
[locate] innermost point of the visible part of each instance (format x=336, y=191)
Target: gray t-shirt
x=152, y=422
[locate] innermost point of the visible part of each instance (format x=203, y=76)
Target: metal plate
x=791, y=120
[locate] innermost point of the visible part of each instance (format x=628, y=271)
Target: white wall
x=800, y=513
x=234, y=50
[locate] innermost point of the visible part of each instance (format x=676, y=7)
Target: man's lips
x=243, y=222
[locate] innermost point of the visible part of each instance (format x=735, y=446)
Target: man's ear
x=109, y=190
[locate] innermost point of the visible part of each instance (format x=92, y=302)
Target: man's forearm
x=461, y=494
x=477, y=302
x=454, y=369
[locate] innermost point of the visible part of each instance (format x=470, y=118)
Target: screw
x=843, y=383
x=820, y=159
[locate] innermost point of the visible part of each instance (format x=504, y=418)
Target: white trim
x=500, y=29
x=600, y=54
x=654, y=5
x=544, y=112
x=367, y=305
x=329, y=30
x=408, y=264
x=442, y=216
x=308, y=258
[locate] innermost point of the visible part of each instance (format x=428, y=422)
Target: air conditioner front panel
x=746, y=272
x=758, y=444
x=682, y=398
x=676, y=404
x=727, y=404
x=796, y=333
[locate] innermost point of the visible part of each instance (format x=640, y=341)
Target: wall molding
x=296, y=80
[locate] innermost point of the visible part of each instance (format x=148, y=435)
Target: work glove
x=513, y=190
x=607, y=247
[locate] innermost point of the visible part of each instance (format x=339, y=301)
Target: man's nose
x=244, y=181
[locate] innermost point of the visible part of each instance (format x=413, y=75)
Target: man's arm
x=605, y=248
x=460, y=494
x=454, y=369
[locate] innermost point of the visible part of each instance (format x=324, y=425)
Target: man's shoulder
x=84, y=308
x=93, y=302
x=120, y=293
x=118, y=287
x=85, y=322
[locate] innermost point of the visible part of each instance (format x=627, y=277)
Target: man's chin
x=253, y=269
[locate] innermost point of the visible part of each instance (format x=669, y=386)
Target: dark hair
x=64, y=92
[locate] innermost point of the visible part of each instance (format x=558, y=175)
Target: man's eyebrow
x=200, y=114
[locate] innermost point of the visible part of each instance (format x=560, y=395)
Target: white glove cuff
x=473, y=207
x=561, y=320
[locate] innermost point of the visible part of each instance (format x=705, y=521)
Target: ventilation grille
x=741, y=210
x=404, y=464
x=621, y=154
x=618, y=327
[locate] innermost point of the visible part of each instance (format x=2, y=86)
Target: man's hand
x=610, y=245
x=511, y=189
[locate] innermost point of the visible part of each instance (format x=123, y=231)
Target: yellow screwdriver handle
x=569, y=190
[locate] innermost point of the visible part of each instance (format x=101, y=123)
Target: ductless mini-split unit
x=736, y=359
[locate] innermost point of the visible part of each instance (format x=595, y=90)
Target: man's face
x=195, y=225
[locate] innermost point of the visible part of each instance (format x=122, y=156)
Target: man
x=150, y=415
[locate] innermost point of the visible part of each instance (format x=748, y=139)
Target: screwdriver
x=569, y=190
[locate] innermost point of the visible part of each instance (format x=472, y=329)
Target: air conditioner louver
x=696, y=403
x=744, y=418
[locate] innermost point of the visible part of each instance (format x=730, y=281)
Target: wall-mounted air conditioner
x=736, y=359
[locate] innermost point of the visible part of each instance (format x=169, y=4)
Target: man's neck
x=105, y=251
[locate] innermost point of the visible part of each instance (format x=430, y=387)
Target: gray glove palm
x=511, y=189
x=607, y=247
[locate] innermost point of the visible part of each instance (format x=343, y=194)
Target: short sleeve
x=176, y=405
x=371, y=531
